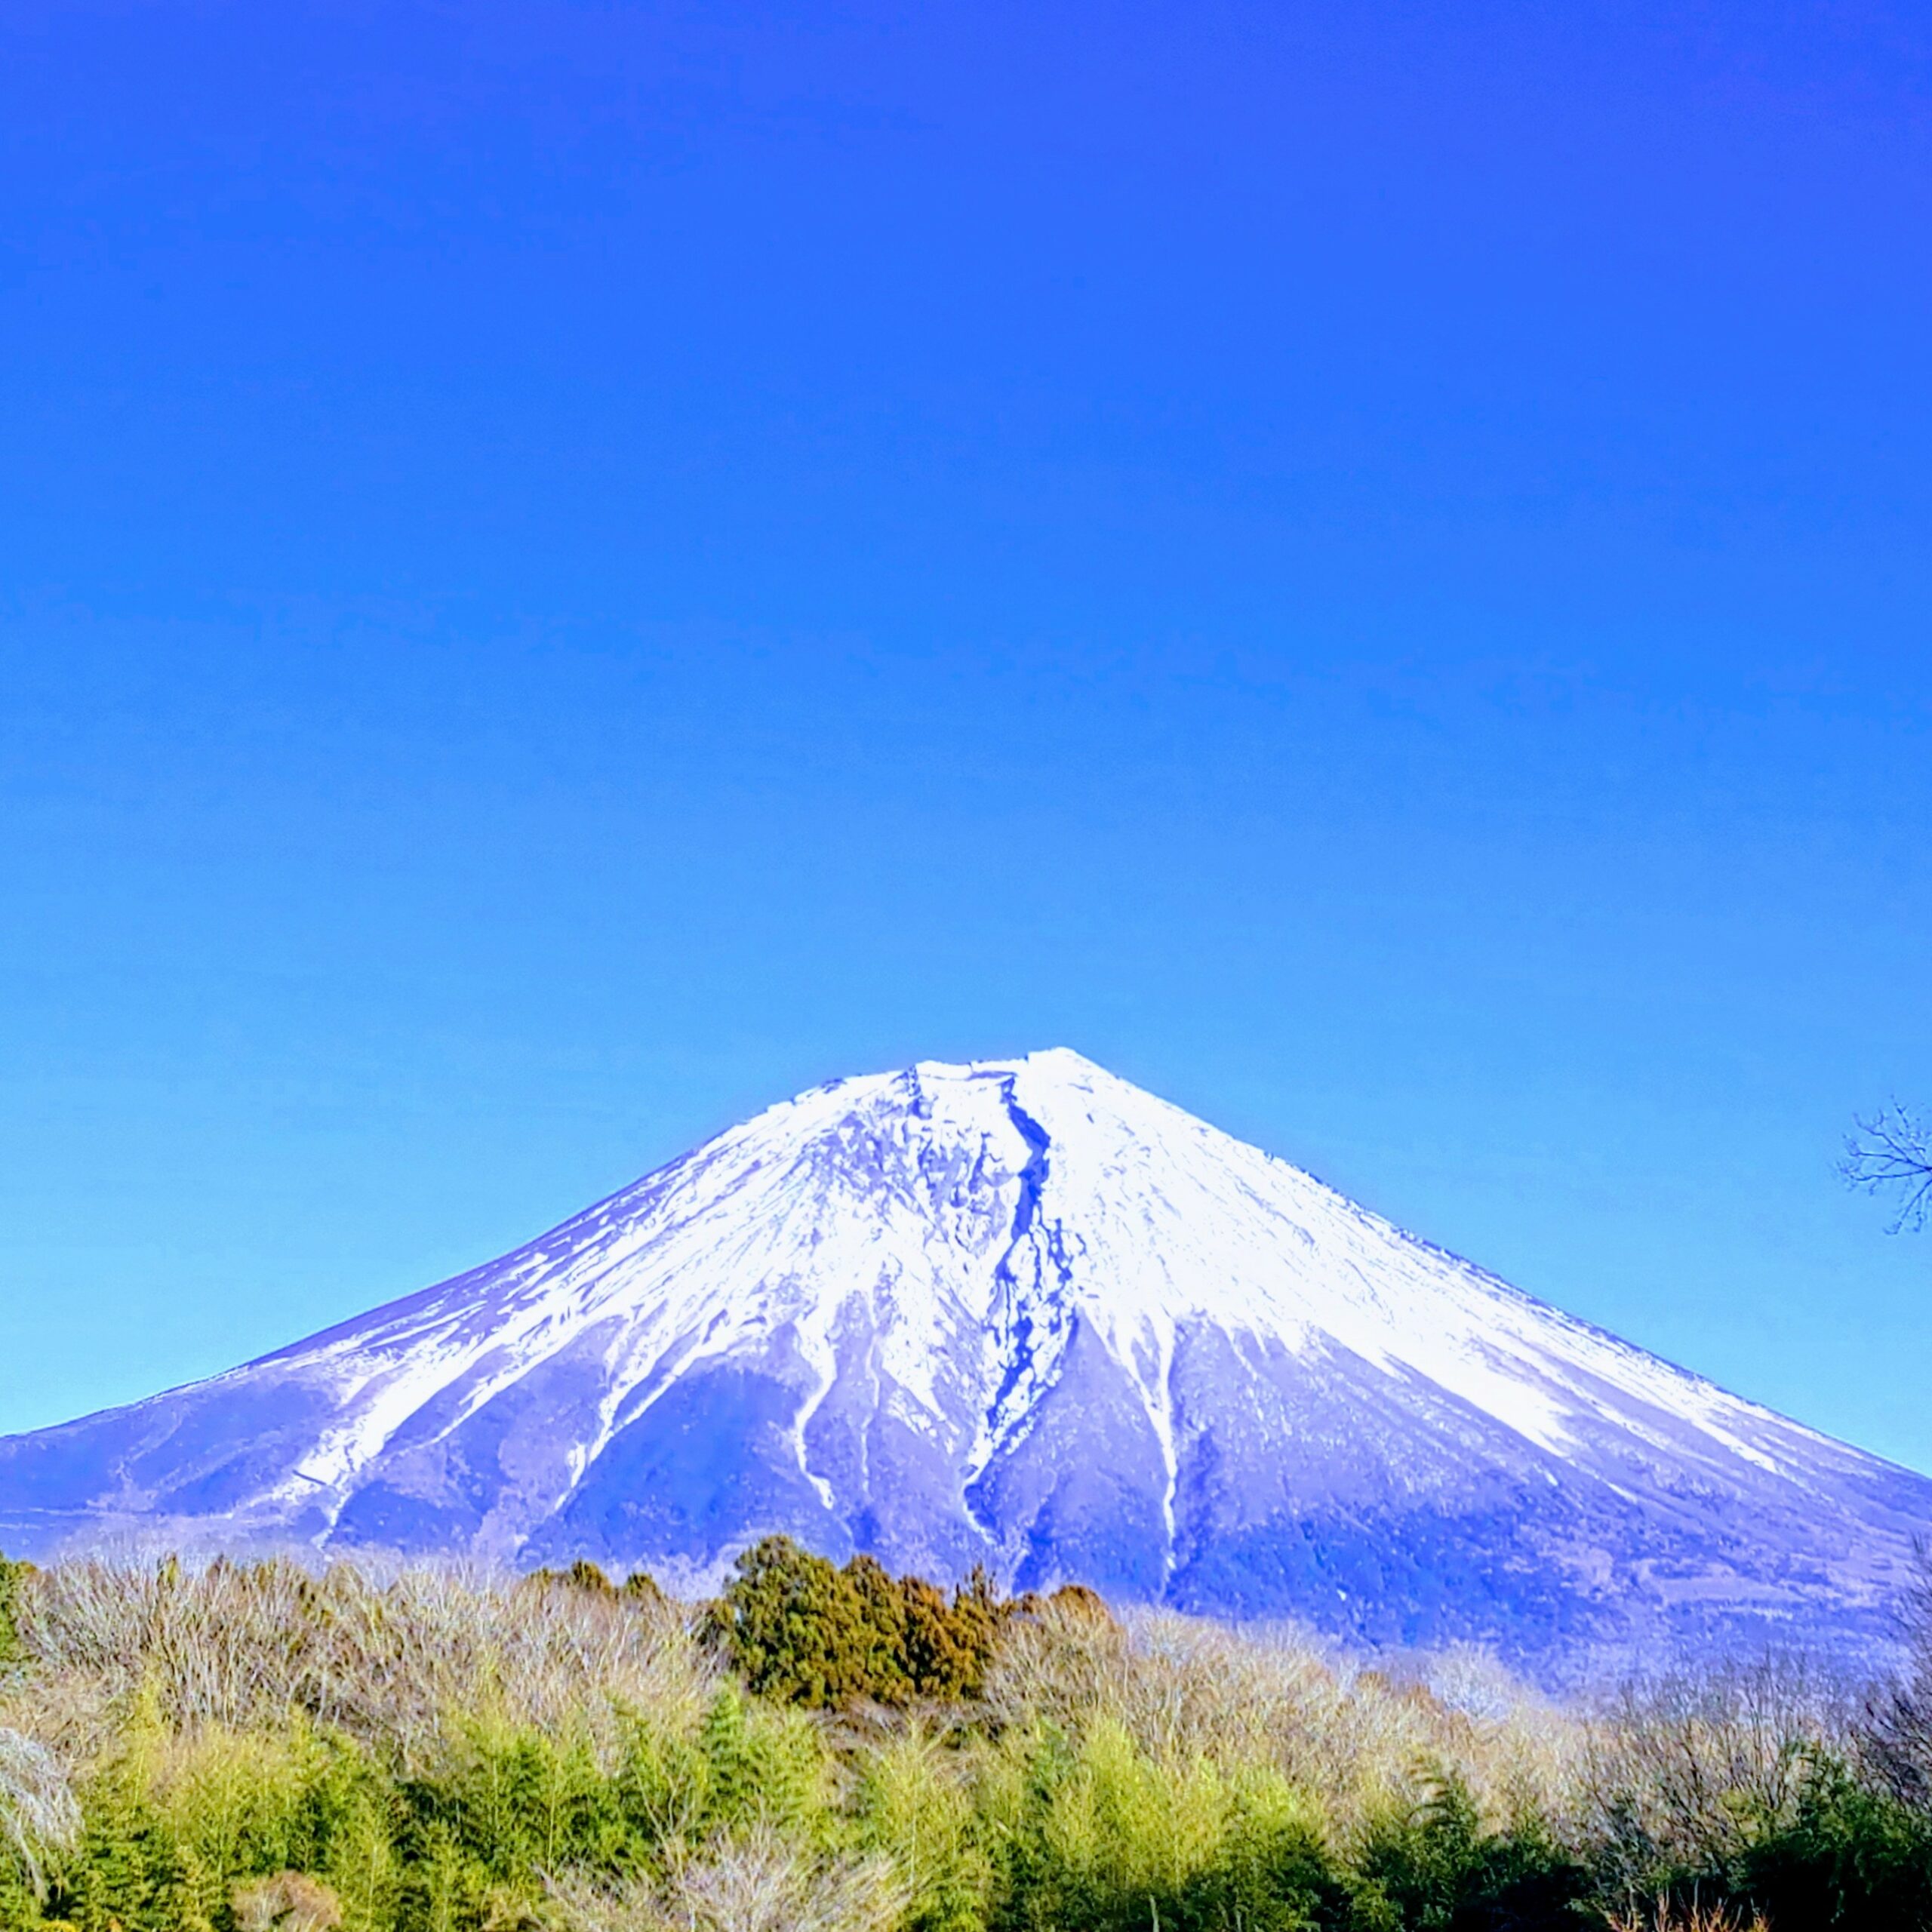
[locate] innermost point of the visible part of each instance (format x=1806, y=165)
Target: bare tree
x=1892, y=1150
x=1896, y=1736
x=38, y=1812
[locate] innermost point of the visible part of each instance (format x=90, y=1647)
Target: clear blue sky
x=567, y=571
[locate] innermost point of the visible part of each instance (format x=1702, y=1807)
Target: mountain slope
x=1020, y=1312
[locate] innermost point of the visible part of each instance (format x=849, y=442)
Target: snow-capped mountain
x=1020, y=1312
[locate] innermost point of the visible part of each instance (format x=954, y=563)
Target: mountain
x=1021, y=1312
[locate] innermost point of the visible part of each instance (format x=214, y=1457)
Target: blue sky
x=568, y=572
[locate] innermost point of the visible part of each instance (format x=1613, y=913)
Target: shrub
x=130, y=1873
x=1894, y=1739
x=38, y=1814
x=800, y=1630
x=1102, y=1835
x=762, y=1766
x=288, y=1902
x=1695, y=1917
x=250, y=1746
x=1431, y=1867
x=640, y=1587
x=1847, y=1855
x=1750, y=1794
x=758, y=1883
x=11, y=1577
x=384, y=1662
x=914, y=1805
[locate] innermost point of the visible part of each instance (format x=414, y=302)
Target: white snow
x=863, y=1192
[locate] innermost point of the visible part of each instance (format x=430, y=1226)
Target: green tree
x=793, y=1626
x=1433, y=1867
x=12, y=1576
x=800, y=1630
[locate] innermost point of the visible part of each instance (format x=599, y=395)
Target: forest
x=235, y=1747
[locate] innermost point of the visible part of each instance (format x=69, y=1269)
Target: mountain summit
x=1020, y=1312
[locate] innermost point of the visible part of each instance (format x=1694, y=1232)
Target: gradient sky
x=568, y=572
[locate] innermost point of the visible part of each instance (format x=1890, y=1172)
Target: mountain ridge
x=1020, y=1312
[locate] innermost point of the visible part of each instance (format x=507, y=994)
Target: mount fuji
x=1021, y=1312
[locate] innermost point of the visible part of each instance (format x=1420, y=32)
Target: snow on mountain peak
x=1020, y=1312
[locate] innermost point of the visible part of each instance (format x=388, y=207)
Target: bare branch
x=38, y=1812
x=1892, y=1150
